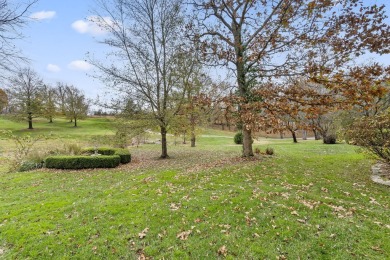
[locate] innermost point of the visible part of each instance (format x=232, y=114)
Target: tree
x=146, y=36
x=274, y=39
x=12, y=18
x=3, y=100
x=49, y=102
x=373, y=133
x=26, y=95
x=61, y=96
x=76, y=105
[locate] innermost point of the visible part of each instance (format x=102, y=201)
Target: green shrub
x=269, y=151
x=124, y=154
x=100, y=150
x=330, y=139
x=238, y=138
x=82, y=162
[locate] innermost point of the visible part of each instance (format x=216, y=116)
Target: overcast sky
x=60, y=35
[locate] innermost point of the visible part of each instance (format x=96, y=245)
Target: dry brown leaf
x=295, y=213
x=174, y=206
x=143, y=233
x=184, y=235
x=222, y=250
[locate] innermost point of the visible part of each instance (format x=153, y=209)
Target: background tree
x=13, y=16
x=3, y=100
x=146, y=36
x=26, y=95
x=49, y=108
x=61, y=97
x=76, y=105
x=263, y=39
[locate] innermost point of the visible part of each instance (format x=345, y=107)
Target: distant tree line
x=29, y=97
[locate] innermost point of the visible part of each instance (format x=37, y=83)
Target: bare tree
x=146, y=38
x=280, y=38
x=76, y=105
x=26, y=95
x=12, y=18
x=49, y=108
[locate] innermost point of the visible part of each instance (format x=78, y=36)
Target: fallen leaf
x=376, y=248
x=184, y=235
x=222, y=251
x=143, y=233
x=174, y=206
x=295, y=213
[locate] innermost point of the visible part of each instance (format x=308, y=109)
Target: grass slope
x=309, y=201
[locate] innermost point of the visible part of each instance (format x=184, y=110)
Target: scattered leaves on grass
x=174, y=206
x=184, y=235
x=294, y=213
x=376, y=248
x=373, y=201
x=143, y=233
x=222, y=250
x=310, y=204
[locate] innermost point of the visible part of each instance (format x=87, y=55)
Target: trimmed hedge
x=124, y=154
x=82, y=162
x=101, y=150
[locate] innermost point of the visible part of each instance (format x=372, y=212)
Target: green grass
x=309, y=201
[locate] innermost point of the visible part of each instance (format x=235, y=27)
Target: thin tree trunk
x=30, y=122
x=281, y=135
x=164, y=147
x=316, y=135
x=193, y=139
x=75, y=122
x=304, y=135
x=184, y=138
x=294, y=136
x=50, y=119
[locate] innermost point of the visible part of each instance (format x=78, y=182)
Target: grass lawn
x=309, y=201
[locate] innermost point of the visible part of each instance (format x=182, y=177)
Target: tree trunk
x=50, y=119
x=30, y=122
x=75, y=122
x=247, y=143
x=316, y=135
x=304, y=134
x=193, y=139
x=281, y=134
x=294, y=136
x=164, y=147
x=184, y=138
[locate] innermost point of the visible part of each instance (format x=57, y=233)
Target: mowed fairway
x=308, y=201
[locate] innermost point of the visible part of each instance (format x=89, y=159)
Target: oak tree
x=266, y=39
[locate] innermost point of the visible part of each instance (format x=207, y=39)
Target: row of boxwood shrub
x=108, y=158
x=124, y=154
